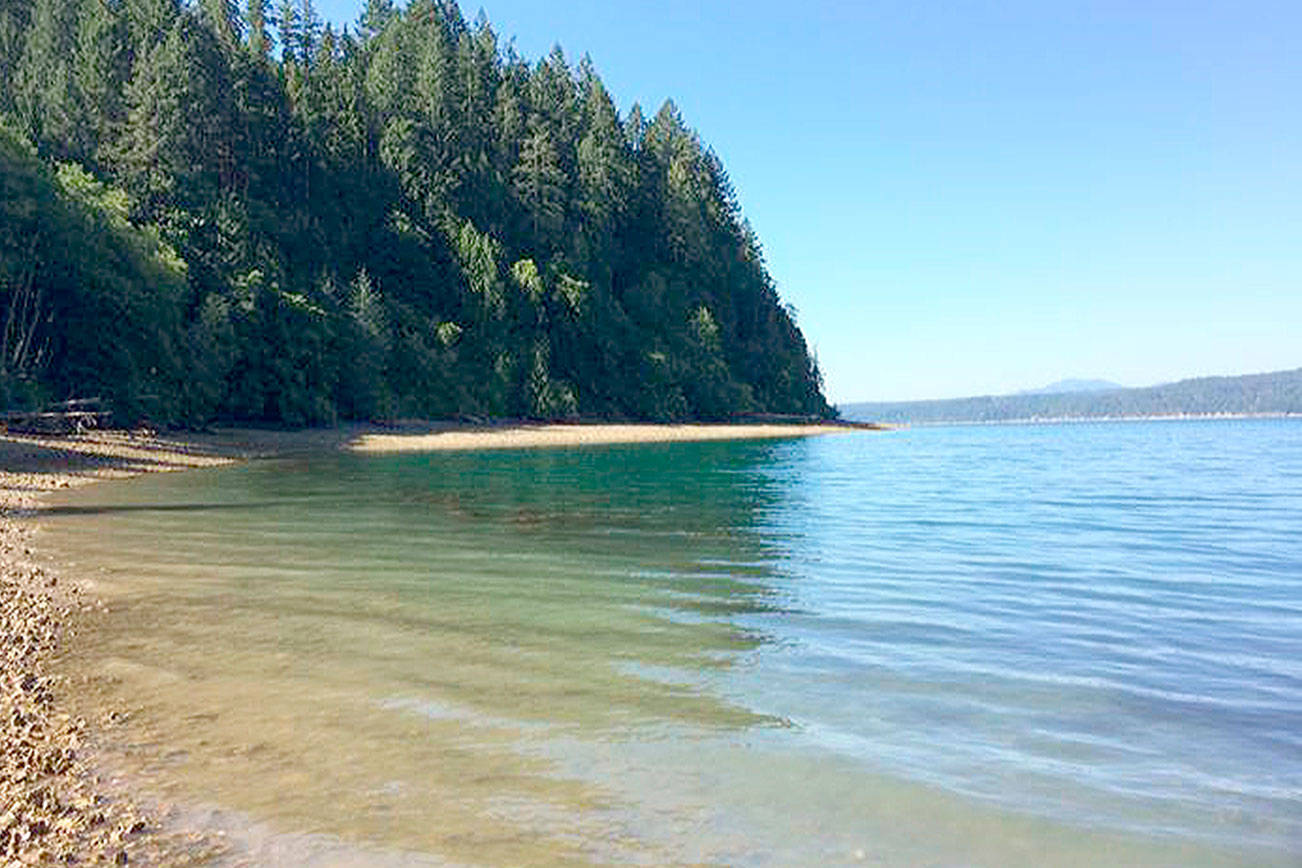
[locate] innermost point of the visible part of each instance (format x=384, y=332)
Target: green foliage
x=448, y=333
x=572, y=292
x=526, y=276
x=705, y=329
x=405, y=219
x=92, y=305
x=478, y=254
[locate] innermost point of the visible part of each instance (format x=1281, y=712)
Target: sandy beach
x=418, y=438
x=57, y=806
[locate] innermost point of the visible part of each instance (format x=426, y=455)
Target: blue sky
x=971, y=198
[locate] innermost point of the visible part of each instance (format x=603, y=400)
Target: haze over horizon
x=960, y=200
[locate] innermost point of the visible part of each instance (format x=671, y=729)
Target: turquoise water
x=1060, y=644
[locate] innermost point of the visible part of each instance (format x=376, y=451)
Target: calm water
x=1073, y=644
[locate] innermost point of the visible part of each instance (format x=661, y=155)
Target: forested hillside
x=222, y=211
x=1274, y=393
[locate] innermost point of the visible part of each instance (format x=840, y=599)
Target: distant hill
x=1278, y=392
x=1064, y=386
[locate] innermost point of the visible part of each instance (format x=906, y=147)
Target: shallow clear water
x=988, y=645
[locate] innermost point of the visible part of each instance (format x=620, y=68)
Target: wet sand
x=57, y=805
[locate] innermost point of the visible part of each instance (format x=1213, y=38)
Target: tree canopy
x=235, y=211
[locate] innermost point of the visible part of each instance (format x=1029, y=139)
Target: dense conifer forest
x=220, y=211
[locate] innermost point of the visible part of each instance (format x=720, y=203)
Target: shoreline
x=1075, y=420
x=422, y=437
x=58, y=805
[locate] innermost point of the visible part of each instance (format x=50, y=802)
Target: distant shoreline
x=1071, y=420
x=1247, y=396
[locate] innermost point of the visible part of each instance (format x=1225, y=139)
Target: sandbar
x=523, y=435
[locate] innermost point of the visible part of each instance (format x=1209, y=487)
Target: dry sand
x=532, y=436
x=55, y=805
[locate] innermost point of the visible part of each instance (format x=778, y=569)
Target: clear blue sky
x=972, y=198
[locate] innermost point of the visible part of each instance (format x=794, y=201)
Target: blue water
x=1057, y=644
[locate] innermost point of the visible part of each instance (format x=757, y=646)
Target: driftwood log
x=66, y=417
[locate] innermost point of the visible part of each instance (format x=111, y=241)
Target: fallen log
x=54, y=422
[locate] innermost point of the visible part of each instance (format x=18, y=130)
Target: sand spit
x=532, y=436
x=56, y=805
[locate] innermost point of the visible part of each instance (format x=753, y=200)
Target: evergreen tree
x=605, y=172
x=366, y=342
x=14, y=18
x=289, y=29
x=101, y=68
x=149, y=22
x=256, y=19
x=437, y=119
x=310, y=31
x=539, y=186
x=224, y=18
x=375, y=17
x=44, y=89
x=177, y=146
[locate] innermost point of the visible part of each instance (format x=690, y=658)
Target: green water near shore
x=584, y=656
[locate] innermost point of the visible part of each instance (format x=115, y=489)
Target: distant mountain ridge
x=1064, y=386
x=1278, y=392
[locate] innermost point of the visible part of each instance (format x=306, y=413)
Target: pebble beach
x=56, y=807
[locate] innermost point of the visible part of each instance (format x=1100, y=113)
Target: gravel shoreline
x=55, y=805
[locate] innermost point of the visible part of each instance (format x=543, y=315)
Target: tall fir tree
x=375, y=17
x=44, y=89
x=256, y=21
x=224, y=19
x=310, y=31
x=101, y=68
x=289, y=28
x=539, y=186
x=604, y=170
x=14, y=18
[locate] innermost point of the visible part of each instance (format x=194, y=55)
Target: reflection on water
x=906, y=649
x=106, y=509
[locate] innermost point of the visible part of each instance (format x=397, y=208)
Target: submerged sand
x=56, y=805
